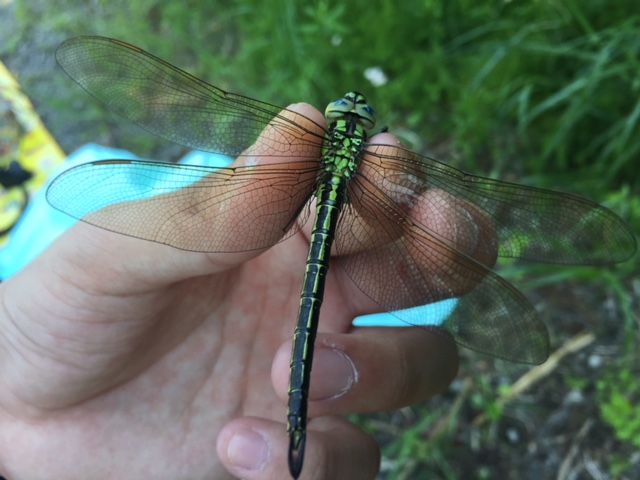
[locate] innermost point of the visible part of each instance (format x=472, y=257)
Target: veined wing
x=189, y=207
x=178, y=106
x=400, y=265
x=530, y=223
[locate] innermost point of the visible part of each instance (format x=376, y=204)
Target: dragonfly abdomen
x=331, y=197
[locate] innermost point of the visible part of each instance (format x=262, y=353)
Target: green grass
x=545, y=93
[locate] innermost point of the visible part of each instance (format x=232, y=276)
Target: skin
x=123, y=358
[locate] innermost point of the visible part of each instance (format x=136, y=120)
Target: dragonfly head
x=353, y=106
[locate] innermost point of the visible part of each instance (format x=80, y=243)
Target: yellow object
x=25, y=140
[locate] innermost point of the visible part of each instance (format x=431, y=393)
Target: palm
x=201, y=355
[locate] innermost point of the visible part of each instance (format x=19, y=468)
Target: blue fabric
x=41, y=224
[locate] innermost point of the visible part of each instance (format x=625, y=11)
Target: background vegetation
x=541, y=92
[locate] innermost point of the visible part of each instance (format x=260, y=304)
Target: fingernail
x=248, y=449
x=334, y=374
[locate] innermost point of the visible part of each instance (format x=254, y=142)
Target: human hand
x=121, y=358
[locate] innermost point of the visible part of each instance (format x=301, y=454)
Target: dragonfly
x=376, y=206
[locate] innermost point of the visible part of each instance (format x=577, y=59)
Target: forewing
x=189, y=207
x=530, y=223
x=178, y=106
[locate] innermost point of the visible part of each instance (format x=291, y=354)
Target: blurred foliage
x=619, y=396
x=547, y=89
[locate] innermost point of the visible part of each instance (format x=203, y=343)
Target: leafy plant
x=619, y=399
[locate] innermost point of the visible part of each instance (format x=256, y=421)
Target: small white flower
x=376, y=76
x=336, y=40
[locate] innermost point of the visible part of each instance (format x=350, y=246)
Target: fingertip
x=308, y=111
x=393, y=368
x=333, y=375
x=245, y=449
x=385, y=138
x=290, y=136
x=254, y=448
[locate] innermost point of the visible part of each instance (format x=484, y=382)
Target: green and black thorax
x=348, y=118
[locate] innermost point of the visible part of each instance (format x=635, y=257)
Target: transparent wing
x=189, y=207
x=178, y=106
x=417, y=232
x=530, y=223
x=400, y=265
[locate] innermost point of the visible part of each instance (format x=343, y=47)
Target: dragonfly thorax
x=352, y=107
x=348, y=119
